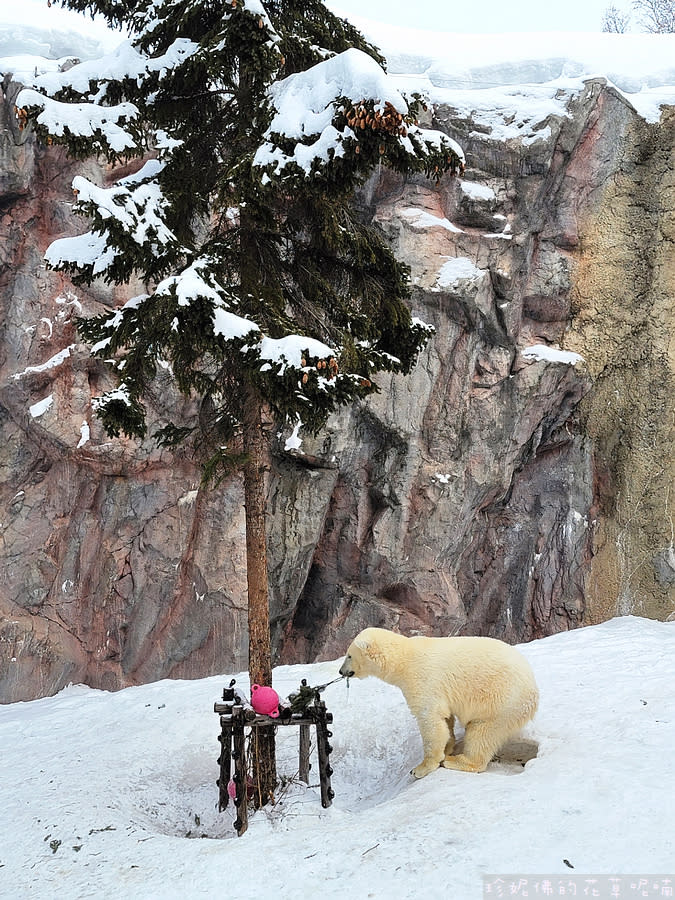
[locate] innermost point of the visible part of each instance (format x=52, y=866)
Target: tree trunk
x=259, y=653
x=254, y=446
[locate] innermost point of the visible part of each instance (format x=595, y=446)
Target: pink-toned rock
x=489, y=492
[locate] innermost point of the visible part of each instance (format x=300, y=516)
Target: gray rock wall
x=489, y=492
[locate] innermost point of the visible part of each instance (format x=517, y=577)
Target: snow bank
x=525, y=77
x=113, y=795
x=631, y=61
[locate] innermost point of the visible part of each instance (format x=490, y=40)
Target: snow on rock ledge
x=455, y=271
x=545, y=353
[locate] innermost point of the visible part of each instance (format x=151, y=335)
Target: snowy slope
x=32, y=27
x=505, y=81
x=631, y=61
x=523, y=76
x=113, y=795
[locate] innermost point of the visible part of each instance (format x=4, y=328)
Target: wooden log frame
x=240, y=772
x=324, y=749
x=235, y=718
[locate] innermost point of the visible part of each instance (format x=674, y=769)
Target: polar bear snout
x=347, y=669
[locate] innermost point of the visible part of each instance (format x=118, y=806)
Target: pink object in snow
x=265, y=700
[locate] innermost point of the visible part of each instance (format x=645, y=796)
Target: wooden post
x=225, y=762
x=324, y=750
x=304, y=764
x=225, y=758
x=240, y=770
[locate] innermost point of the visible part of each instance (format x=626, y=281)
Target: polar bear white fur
x=483, y=682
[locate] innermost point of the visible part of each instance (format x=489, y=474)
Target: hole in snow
x=516, y=753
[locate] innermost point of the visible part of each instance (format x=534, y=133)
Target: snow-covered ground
x=113, y=795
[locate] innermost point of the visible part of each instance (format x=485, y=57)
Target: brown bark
x=260, y=653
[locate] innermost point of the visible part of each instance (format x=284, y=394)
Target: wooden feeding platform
x=235, y=718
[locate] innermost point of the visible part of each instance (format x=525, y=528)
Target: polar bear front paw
x=424, y=768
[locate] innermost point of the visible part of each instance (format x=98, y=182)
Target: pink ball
x=265, y=700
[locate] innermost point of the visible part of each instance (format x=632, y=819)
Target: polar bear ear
x=362, y=642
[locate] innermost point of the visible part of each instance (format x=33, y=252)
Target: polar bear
x=483, y=682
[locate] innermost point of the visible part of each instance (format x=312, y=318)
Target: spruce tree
x=253, y=121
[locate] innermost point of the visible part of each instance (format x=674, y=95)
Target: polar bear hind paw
x=463, y=764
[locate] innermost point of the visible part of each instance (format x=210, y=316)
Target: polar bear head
x=366, y=654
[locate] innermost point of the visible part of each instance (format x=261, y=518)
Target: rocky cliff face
x=499, y=489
